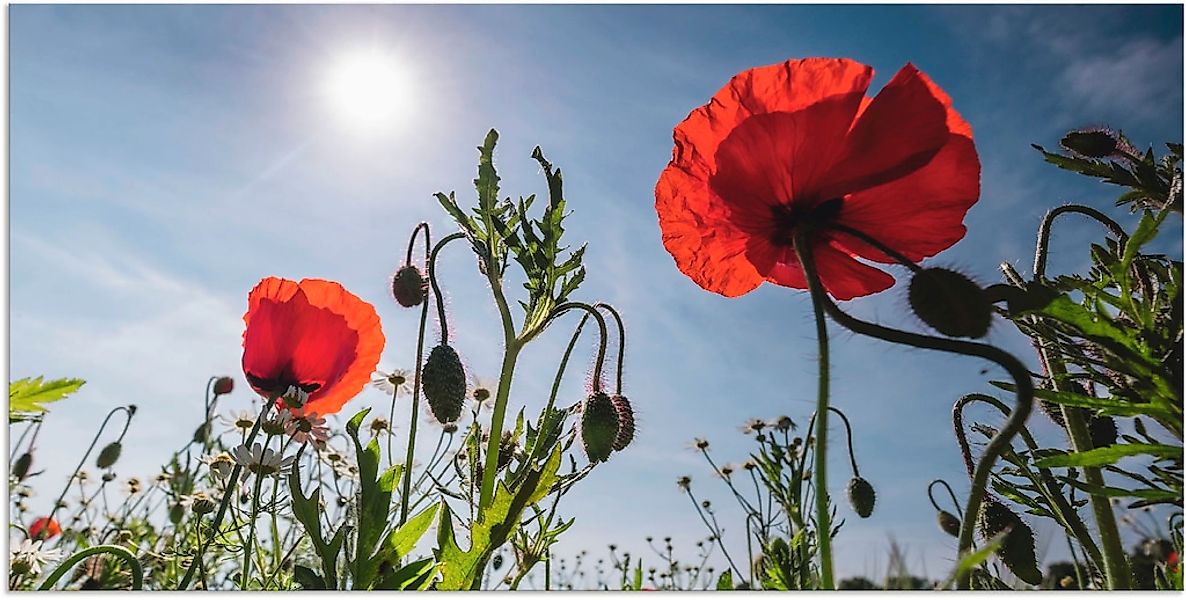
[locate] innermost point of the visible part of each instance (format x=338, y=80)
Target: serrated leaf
x=1099, y=457
x=26, y=396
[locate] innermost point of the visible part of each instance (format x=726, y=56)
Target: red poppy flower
x=44, y=528
x=798, y=142
x=314, y=335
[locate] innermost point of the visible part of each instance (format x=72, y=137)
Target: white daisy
x=483, y=390
x=400, y=379
x=261, y=461
x=29, y=557
x=242, y=420
x=305, y=428
x=220, y=464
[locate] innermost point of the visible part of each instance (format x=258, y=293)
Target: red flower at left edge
x=44, y=528
x=314, y=335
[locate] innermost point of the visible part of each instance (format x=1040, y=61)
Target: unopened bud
x=950, y=303
x=409, y=286
x=109, y=454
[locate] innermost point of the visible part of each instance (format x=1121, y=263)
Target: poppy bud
x=109, y=454
x=44, y=528
x=1017, y=550
x=950, y=303
x=625, y=422
x=176, y=512
x=949, y=523
x=1091, y=143
x=496, y=562
x=223, y=385
x=1103, y=431
x=20, y=468
x=861, y=496
x=409, y=286
x=444, y=383
x=599, y=426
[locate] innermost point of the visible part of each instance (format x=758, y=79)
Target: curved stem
x=931, y=497
x=436, y=288
x=120, y=551
x=601, y=347
x=621, y=342
x=872, y=241
x=1016, y=370
x=94, y=440
x=232, y=483
x=412, y=242
x=823, y=522
x=1043, y=248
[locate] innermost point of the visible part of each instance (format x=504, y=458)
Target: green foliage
x=27, y=397
x=1151, y=182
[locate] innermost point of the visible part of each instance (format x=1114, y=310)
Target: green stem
x=1017, y=371
x=232, y=483
x=120, y=551
x=95, y=440
x=823, y=522
x=1042, y=250
x=509, y=357
x=244, y=581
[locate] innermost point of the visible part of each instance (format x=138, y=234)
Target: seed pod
x=444, y=383
x=20, y=468
x=625, y=422
x=1103, y=431
x=409, y=286
x=599, y=426
x=176, y=512
x=861, y=496
x=950, y=303
x=949, y=523
x=109, y=454
x=223, y=385
x=1017, y=550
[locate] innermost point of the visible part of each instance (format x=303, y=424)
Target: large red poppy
x=800, y=142
x=44, y=528
x=314, y=335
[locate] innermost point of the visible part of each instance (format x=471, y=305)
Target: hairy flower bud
x=949, y=523
x=444, y=383
x=861, y=496
x=20, y=468
x=625, y=422
x=950, y=303
x=1017, y=550
x=599, y=426
x=109, y=454
x=1091, y=143
x=223, y=385
x=409, y=286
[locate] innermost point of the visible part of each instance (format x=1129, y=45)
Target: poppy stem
x=852, y=457
x=232, y=483
x=621, y=343
x=560, y=374
x=931, y=495
x=431, y=260
x=1042, y=250
x=822, y=522
x=872, y=241
x=1021, y=377
x=129, y=412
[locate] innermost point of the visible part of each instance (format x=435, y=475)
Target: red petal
x=842, y=276
x=700, y=228
x=314, y=332
x=899, y=131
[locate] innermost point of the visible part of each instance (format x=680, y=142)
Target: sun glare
x=368, y=91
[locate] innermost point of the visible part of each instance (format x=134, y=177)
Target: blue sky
x=164, y=159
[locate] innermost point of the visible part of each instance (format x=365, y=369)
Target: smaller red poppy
x=313, y=335
x=44, y=528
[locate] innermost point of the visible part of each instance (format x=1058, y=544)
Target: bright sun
x=368, y=91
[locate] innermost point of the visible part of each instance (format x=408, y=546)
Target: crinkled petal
x=899, y=131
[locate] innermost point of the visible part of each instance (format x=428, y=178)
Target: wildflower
x=379, y=425
x=132, y=486
x=399, y=379
x=784, y=423
x=330, y=454
x=199, y=502
x=44, y=528
x=277, y=424
x=483, y=391
x=314, y=335
x=223, y=385
x=261, y=461
x=221, y=464
x=306, y=427
x=797, y=145
x=684, y=483
x=749, y=465
x=29, y=557
x=726, y=470
x=700, y=443
x=753, y=426
x=82, y=476
x=242, y=420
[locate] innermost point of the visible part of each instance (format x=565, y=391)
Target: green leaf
x=401, y=541
x=1109, y=454
x=725, y=581
x=26, y=397
x=972, y=560
x=1105, y=406
x=374, y=503
x=417, y=575
x=308, y=512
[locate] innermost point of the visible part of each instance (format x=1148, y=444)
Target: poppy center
x=789, y=217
